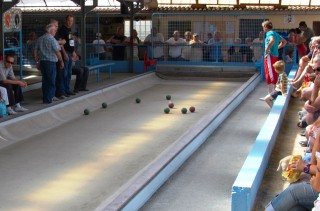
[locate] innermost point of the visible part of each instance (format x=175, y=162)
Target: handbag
x=3, y=108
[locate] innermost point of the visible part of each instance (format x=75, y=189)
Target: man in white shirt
x=186, y=49
x=175, y=46
x=12, y=85
x=155, y=39
x=99, y=46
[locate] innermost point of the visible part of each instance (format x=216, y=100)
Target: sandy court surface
x=80, y=163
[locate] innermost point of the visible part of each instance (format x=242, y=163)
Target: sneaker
x=20, y=109
x=261, y=98
x=84, y=89
x=55, y=99
x=11, y=111
x=71, y=93
x=304, y=143
x=62, y=97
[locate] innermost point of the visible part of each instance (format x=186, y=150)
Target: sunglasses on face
x=10, y=62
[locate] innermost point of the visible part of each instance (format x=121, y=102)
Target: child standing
x=281, y=85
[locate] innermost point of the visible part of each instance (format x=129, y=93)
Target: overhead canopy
x=115, y=3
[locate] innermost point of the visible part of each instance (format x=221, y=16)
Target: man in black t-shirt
x=67, y=49
x=118, y=52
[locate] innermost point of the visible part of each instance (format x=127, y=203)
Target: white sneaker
x=55, y=99
x=11, y=111
x=20, y=109
x=261, y=98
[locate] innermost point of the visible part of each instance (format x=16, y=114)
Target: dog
x=289, y=174
x=283, y=163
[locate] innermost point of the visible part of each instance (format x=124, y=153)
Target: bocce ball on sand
x=168, y=97
x=86, y=111
x=104, y=105
x=192, y=109
x=166, y=110
x=138, y=100
x=171, y=105
x=184, y=110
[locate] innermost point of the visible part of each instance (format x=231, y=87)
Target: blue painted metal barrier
x=247, y=183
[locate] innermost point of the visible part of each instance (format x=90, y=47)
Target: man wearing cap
x=196, y=48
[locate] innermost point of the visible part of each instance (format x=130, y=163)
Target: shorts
x=275, y=94
x=270, y=74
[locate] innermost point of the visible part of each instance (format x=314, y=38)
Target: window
x=143, y=28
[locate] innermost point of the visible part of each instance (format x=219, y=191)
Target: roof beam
x=7, y=5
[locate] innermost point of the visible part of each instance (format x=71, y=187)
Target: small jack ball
x=168, y=97
x=138, y=100
x=184, y=110
x=86, y=111
x=171, y=105
x=104, y=105
x=166, y=110
x=192, y=109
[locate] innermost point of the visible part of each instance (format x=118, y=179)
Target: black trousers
x=82, y=74
x=14, y=92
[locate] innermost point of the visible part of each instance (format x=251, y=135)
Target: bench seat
x=98, y=66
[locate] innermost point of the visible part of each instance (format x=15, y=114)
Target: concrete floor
x=204, y=182
x=80, y=163
x=50, y=181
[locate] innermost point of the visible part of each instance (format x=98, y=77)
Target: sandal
x=303, y=133
x=302, y=124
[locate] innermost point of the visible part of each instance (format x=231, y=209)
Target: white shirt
x=158, y=50
x=100, y=48
x=175, y=47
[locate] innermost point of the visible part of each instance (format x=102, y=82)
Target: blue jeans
x=48, y=70
x=296, y=197
x=66, y=77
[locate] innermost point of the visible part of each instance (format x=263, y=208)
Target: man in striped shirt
x=47, y=54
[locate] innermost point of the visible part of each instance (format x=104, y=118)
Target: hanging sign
x=12, y=20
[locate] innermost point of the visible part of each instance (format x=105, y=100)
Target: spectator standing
x=155, y=39
x=60, y=72
x=196, y=48
x=186, y=49
x=235, y=52
x=31, y=43
x=302, y=48
x=65, y=33
x=273, y=43
x=215, y=47
x=119, y=50
x=12, y=85
x=77, y=44
x=247, y=51
x=99, y=47
x=175, y=46
x=257, y=47
x=134, y=40
x=47, y=54
x=307, y=34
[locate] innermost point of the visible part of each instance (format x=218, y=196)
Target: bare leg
x=297, y=83
x=269, y=100
x=306, y=93
x=271, y=88
x=302, y=64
